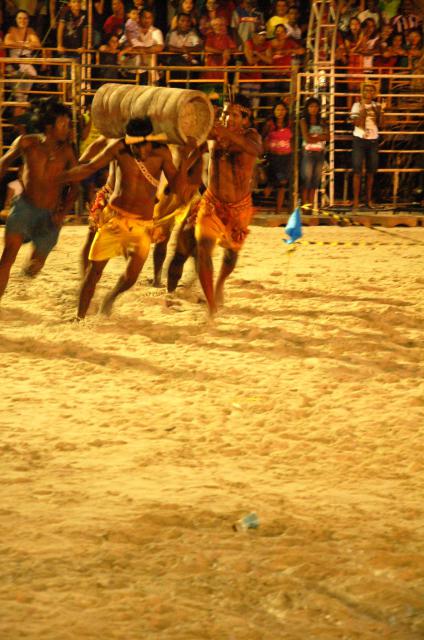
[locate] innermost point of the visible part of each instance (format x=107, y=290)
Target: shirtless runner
x=225, y=210
x=37, y=214
x=140, y=159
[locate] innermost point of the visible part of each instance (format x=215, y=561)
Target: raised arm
x=250, y=142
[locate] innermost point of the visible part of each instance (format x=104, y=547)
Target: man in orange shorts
x=225, y=210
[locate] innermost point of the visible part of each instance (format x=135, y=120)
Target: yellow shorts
x=122, y=236
x=173, y=212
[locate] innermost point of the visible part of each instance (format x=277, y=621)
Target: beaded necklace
x=146, y=173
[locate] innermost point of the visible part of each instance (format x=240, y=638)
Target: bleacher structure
x=400, y=179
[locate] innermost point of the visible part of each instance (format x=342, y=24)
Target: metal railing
x=73, y=80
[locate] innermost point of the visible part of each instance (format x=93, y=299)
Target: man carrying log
x=225, y=209
x=140, y=159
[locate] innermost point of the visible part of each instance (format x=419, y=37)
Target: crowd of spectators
x=373, y=35
x=130, y=37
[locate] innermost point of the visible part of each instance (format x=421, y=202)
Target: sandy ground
x=130, y=445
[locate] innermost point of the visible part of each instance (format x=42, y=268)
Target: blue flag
x=293, y=227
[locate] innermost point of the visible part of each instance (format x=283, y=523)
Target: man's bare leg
x=227, y=267
x=86, y=250
x=92, y=277
x=125, y=282
x=35, y=264
x=204, y=250
x=13, y=243
x=159, y=255
x=186, y=247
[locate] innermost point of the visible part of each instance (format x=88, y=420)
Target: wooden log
x=178, y=113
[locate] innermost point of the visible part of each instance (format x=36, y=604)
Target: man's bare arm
x=249, y=142
x=93, y=149
x=82, y=171
x=72, y=192
x=179, y=180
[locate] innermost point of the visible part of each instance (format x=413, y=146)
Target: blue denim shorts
x=33, y=224
x=311, y=169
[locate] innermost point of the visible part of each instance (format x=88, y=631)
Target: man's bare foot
x=32, y=269
x=212, y=311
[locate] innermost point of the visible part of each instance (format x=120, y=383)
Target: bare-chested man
x=225, y=209
x=37, y=214
x=129, y=230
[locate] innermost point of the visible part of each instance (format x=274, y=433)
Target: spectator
x=353, y=58
x=24, y=42
x=211, y=11
x=185, y=6
x=370, y=12
x=392, y=53
x=277, y=136
x=314, y=136
x=109, y=58
x=386, y=33
x=183, y=42
x=348, y=10
x=369, y=44
x=30, y=8
x=22, y=37
x=414, y=47
x=367, y=117
x=98, y=19
x=257, y=51
x=285, y=50
x=132, y=29
x=219, y=47
x=279, y=16
x=72, y=30
x=292, y=27
x=407, y=19
x=114, y=25
x=244, y=20
x=146, y=41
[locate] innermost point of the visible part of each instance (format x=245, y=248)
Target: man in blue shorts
x=37, y=214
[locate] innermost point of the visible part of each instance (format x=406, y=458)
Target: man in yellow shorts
x=140, y=158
